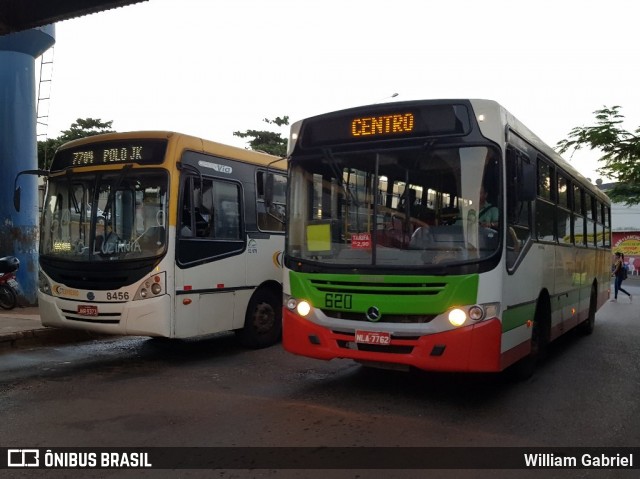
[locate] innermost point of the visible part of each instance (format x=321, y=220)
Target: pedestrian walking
x=620, y=274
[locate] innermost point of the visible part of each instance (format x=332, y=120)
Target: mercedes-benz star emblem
x=373, y=314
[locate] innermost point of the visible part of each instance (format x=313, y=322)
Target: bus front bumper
x=474, y=348
x=150, y=317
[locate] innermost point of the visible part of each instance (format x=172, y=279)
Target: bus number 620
x=338, y=300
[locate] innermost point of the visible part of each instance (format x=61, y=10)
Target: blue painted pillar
x=18, y=151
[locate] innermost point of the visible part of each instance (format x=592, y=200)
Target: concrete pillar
x=18, y=151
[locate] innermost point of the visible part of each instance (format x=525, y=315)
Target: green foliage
x=620, y=152
x=86, y=127
x=267, y=141
x=80, y=129
x=46, y=150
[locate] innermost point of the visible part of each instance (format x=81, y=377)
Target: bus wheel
x=526, y=367
x=588, y=325
x=263, y=321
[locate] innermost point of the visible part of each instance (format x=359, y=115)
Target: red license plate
x=373, y=337
x=87, y=310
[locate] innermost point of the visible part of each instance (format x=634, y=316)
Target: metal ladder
x=44, y=94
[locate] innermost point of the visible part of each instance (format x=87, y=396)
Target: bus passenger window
x=518, y=207
x=202, y=224
x=185, y=230
x=228, y=225
x=271, y=218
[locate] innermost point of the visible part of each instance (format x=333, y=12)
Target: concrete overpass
x=19, y=15
x=27, y=29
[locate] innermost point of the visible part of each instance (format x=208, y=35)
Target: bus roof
x=526, y=134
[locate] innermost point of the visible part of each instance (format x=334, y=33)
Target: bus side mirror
x=16, y=199
x=527, y=182
x=16, y=188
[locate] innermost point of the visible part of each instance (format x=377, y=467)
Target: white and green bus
x=442, y=235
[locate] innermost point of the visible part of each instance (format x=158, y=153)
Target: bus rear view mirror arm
x=17, y=190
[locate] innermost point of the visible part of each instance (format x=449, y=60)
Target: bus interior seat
x=421, y=238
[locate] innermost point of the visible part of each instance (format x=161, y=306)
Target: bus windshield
x=112, y=215
x=407, y=208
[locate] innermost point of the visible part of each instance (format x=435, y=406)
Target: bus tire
x=526, y=367
x=588, y=325
x=8, y=297
x=263, y=320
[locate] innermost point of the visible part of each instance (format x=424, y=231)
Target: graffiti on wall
x=628, y=243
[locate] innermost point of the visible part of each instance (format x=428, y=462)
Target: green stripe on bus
x=515, y=316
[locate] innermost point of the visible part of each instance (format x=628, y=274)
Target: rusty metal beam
x=17, y=15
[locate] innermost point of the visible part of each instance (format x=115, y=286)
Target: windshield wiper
x=333, y=164
x=114, y=189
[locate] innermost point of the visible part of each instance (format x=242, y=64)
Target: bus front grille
x=411, y=288
x=387, y=318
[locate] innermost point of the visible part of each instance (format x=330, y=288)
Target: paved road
x=138, y=392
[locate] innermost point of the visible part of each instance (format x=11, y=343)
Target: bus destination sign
x=382, y=125
x=385, y=123
x=146, y=152
x=125, y=154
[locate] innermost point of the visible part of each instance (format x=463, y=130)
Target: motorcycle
x=8, y=284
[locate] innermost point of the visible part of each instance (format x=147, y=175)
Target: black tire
x=8, y=297
x=589, y=324
x=526, y=367
x=263, y=320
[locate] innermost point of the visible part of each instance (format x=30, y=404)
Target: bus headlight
x=457, y=317
x=151, y=287
x=43, y=284
x=477, y=312
x=291, y=304
x=302, y=307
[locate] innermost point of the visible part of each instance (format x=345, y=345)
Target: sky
x=209, y=68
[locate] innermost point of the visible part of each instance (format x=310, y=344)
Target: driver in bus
x=106, y=239
x=488, y=215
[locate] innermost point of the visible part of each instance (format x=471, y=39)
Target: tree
x=267, y=141
x=80, y=129
x=620, y=152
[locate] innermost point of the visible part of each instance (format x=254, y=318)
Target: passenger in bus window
x=489, y=214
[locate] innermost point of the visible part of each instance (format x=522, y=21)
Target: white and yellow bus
x=442, y=235
x=162, y=234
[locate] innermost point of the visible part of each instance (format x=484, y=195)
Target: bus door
x=210, y=259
